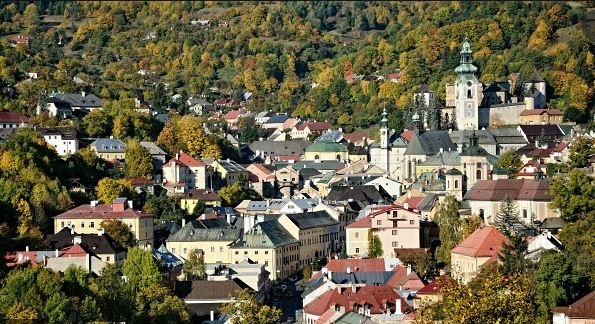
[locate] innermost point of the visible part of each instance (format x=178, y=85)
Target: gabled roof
x=533, y=112
x=277, y=119
x=584, y=308
x=153, y=148
x=95, y=243
x=267, y=234
x=365, y=222
x=516, y=189
x=208, y=290
x=314, y=126
x=231, y=166
x=194, y=232
x=535, y=78
x=361, y=265
x=326, y=147
x=429, y=143
x=101, y=211
x=9, y=117
x=484, y=242
x=356, y=137
x=367, y=194
x=536, y=130
x=309, y=220
x=186, y=160
x=66, y=133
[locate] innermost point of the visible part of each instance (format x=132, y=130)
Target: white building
x=62, y=139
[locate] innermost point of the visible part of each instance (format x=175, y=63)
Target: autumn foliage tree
x=245, y=309
x=119, y=231
x=109, y=189
x=187, y=133
x=138, y=162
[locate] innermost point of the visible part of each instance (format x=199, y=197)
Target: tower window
x=456, y=184
x=469, y=94
x=478, y=174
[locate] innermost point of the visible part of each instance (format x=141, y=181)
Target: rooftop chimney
x=408, y=269
x=83, y=94
x=130, y=206
x=119, y=205
x=398, y=306
x=27, y=248
x=348, y=269
x=183, y=222
x=100, y=232
x=57, y=253
x=94, y=203
x=77, y=240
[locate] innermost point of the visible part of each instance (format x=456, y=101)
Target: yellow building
x=326, y=151
x=109, y=149
x=86, y=219
x=229, y=171
x=541, y=116
x=191, y=198
x=270, y=244
x=214, y=242
x=480, y=248
x=317, y=232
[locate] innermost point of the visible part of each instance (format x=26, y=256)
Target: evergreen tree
x=513, y=256
x=507, y=220
x=434, y=114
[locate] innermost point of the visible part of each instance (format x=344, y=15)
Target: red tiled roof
x=314, y=126
x=517, y=189
x=169, y=184
x=375, y=297
x=102, y=211
x=513, y=77
x=11, y=259
x=13, y=117
x=286, y=157
x=139, y=181
x=560, y=147
x=73, y=251
x=326, y=317
x=234, y=114
x=430, y=289
x=407, y=134
x=414, y=201
x=355, y=137
x=393, y=76
x=484, y=242
x=365, y=222
x=20, y=39
x=186, y=160
x=401, y=278
x=362, y=265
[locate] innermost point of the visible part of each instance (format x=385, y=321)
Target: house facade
x=86, y=219
x=109, y=149
x=186, y=171
x=63, y=139
x=214, y=243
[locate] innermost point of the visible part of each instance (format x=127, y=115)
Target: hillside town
x=473, y=202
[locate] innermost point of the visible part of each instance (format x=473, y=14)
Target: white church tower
x=467, y=91
x=384, y=130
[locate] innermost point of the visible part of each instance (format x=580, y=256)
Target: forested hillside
x=278, y=50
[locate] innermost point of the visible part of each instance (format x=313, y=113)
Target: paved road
x=289, y=305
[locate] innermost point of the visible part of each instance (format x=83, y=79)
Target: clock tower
x=467, y=91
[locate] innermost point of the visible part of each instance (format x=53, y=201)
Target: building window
x=173, y=250
x=456, y=184
x=237, y=252
x=92, y=225
x=62, y=224
x=82, y=224
x=478, y=174
x=316, y=157
x=255, y=252
x=378, y=222
x=524, y=213
x=220, y=249
x=395, y=244
x=395, y=232
x=266, y=263
x=411, y=222
x=245, y=252
x=266, y=252
x=185, y=250
x=107, y=259
x=469, y=94
x=356, y=233
x=356, y=250
x=212, y=249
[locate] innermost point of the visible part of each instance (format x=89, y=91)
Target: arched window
x=481, y=213
x=356, y=234
x=338, y=157
x=456, y=184
x=478, y=175
x=316, y=157
x=524, y=213
x=469, y=94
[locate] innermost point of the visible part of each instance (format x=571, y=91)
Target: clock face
x=468, y=83
x=383, y=132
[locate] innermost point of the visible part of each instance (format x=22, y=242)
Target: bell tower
x=467, y=90
x=384, y=130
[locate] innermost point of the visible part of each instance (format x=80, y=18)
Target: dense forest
x=278, y=51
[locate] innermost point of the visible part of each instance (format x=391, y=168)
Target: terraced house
x=215, y=243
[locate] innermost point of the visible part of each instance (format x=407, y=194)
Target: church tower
x=467, y=91
x=384, y=130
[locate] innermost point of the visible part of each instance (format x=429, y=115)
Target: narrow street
x=287, y=296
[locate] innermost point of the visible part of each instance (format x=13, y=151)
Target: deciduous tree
x=374, y=245
x=573, y=194
x=119, y=231
x=194, y=267
x=141, y=269
x=109, y=189
x=246, y=310
x=580, y=151
x=510, y=161
x=156, y=304
x=138, y=162
x=447, y=218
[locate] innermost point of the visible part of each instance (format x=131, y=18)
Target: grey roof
x=429, y=143
x=231, y=166
x=193, y=232
x=162, y=118
x=425, y=89
x=507, y=136
x=307, y=173
x=291, y=147
x=462, y=136
x=153, y=148
x=535, y=78
x=428, y=202
x=77, y=100
x=331, y=135
x=266, y=113
x=267, y=234
x=317, y=165
x=93, y=243
x=108, y=145
x=198, y=101
x=451, y=158
x=367, y=194
x=218, y=222
x=168, y=258
x=368, y=277
x=67, y=133
x=312, y=219
x=277, y=119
